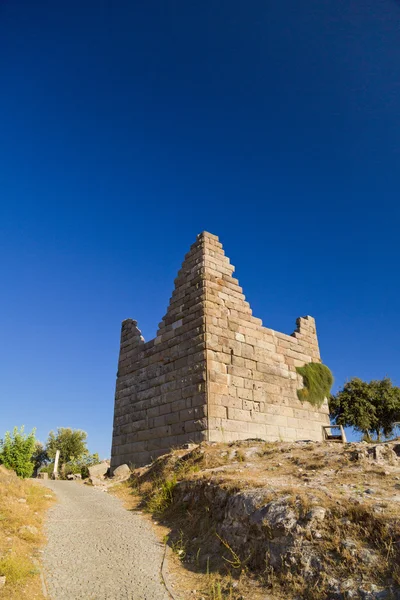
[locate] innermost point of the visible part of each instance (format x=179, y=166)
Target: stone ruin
x=213, y=372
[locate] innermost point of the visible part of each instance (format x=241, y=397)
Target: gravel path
x=98, y=550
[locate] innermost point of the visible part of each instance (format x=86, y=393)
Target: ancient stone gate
x=213, y=372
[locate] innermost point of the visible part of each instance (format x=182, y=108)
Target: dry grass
x=22, y=505
x=356, y=495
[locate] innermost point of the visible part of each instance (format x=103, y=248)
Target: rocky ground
x=306, y=520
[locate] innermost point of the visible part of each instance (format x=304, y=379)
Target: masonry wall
x=160, y=398
x=251, y=370
x=213, y=371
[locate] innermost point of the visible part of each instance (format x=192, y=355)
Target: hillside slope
x=23, y=504
x=306, y=520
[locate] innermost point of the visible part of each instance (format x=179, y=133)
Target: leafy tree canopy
x=40, y=456
x=372, y=408
x=17, y=450
x=70, y=442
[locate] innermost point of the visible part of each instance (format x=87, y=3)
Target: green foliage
x=17, y=450
x=70, y=442
x=372, y=408
x=40, y=456
x=317, y=381
x=80, y=465
x=48, y=468
x=162, y=495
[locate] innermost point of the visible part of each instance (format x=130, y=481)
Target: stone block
x=237, y=414
x=230, y=400
x=217, y=411
x=244, y=393
x=239, y=371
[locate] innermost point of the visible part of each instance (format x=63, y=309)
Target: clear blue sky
x=129, y=127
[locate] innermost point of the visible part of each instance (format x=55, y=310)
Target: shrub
x=162, y=495
x=16, y=451
x=80, y=466
x=47, y=468
x=317, y=381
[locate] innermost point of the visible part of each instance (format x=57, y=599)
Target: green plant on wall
x=317, y=381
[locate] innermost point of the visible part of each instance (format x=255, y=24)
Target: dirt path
x=97, y=550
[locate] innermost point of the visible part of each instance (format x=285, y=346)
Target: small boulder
x=100, y=470
x=121, y=472
x=2, y=582
x=317, y=513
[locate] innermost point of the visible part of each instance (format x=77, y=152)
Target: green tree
x=70, y=442
x=16, y=451
x=370, y=407
x=40, y=456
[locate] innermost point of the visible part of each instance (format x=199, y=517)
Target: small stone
x=22, y=500
x=317, y=513
x=2, y=582
x=368, y=557
x=28, y=529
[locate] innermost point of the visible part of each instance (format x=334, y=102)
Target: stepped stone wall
x=213, y=372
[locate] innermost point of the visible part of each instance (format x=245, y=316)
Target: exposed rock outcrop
x=321, y=520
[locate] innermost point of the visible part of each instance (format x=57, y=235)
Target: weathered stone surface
x=100, y=470
x=213, y=372
x=382, y=453
x=121, y=472
x=74, y=476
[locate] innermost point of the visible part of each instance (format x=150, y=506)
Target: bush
x=80, y=466
x=16, y=451
x=317, y=381
x=49, y=468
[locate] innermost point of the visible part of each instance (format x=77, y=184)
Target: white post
x=55, y=470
